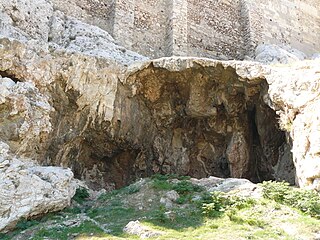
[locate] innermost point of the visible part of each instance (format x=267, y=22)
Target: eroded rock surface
x=294, y=93
x=77, y=99
x=28, y=190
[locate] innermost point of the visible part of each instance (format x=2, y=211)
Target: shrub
x=24, y=224
x=131, y=189
x=81, y=195
x=169, y=176
x=184, y=199
x=221, y=203
x=307, y=201
x=160, y=184
x=185, y=187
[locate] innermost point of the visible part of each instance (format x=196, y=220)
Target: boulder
x=136, y=228
x=28, y=190
x=272, y=54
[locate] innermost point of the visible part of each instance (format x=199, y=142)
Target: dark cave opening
x=9, y=75
x=198, y=123
x=258, y=161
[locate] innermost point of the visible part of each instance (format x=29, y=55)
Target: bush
x=160, y=184
x=169, y=176
x=306, y=201
x=81, y=195
x=185, y=187
x=221, y=203
x=24, y=224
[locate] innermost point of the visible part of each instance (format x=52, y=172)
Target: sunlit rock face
x=28, y=190
x=71, y=97
x=294, y=94
x=111, y=123
x=187, y=116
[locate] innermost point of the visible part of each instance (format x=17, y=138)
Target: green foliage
x=214, y=215
x=184, y=199
x=131, y=189
x=185, y=187
x=24, y=224
x=64, y=233
x=306, y=201
x=74, y=210
x=81, y=195
x=221, y=203
x=107, y=196
x=275, y=190
x=159, y=215
x=161, y=182
x=217, y=206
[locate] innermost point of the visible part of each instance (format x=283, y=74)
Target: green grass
x=208, y=216
x=86, y=228
x=306, y=201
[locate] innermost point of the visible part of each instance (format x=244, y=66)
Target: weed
x=74, y=210
x=159, y=215
x=217, y=206
x=184, y=199
x=107, y=196
x=24, y=224
x=64, y=233
x=131, y=189
x=168, y=177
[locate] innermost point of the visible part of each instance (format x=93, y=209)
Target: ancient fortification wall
x=292, y=22
x=215, y=29
x=224, y=29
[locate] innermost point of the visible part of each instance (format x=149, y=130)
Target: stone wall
x=215, y=29
x=141, y=25
x=290, y=22
x=222, y=29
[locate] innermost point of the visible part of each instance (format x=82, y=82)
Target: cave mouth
x=198, y=122
x=191, y=148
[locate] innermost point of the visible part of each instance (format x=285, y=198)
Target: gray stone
x=136, y=228
x=272, y=54
x=28, y=190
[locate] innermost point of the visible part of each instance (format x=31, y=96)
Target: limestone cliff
x=71, y=97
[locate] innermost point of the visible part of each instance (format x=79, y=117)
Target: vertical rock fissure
x=256, y=152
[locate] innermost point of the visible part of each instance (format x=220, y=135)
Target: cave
x=200, y=122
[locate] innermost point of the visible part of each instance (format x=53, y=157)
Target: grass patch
x=307, y=201
x=205, y=216
x=86, y=228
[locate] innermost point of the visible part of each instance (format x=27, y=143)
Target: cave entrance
x=200, y=122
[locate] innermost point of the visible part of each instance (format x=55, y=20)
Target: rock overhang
x=133, y=128
x=250, y=81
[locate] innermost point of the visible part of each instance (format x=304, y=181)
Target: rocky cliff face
x=71, y=97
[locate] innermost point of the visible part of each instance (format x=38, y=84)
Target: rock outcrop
x=71, y=97
x=175, y=115
x=272, y=54
x=28, y=190
x=294, y=94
